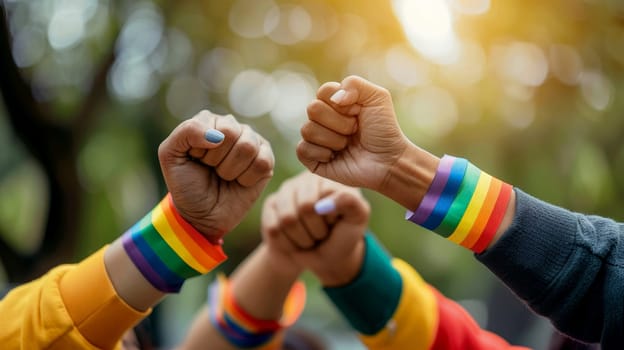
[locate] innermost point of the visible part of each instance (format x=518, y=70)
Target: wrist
x=410, y=176
x=128, y=281
x=464, y=204
x=343, y=272
x=167, y=250
x=284, y=266
x=241, y=325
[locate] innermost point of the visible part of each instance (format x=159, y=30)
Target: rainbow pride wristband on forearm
x=463, y=204
x=167, y=249
x=242, y=329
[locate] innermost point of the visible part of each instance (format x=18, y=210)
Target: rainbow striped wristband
x=243, y=330
x=167, y=249
x=463, y=204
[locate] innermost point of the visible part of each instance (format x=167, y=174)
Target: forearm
x=202, y=335
x=260, y=287
x=254, y=298
x=565, y=265
x=128, y=281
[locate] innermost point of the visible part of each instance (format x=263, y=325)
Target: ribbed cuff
x=535, y=248
x=371, y=299
x=97, y=311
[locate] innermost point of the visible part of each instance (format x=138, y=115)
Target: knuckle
x=269, y=204
x=304, y=151
x=246, y=147
x=232, y=130
x=384, y=92
x=351, y=79
x=204, y=115
x=307, y=131
x=348, y=198
x=306, y=207
x=272, y=230
x=263, y=165
x=348, y=127
x=342, y=143
x=366, y=208
x=225, y=175
x=288, y=220
x=162, y=150
x=314, y=109
x=188, y=125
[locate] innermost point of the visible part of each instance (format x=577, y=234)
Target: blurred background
x=531, y=91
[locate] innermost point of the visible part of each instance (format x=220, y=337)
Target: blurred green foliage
x=533, y=95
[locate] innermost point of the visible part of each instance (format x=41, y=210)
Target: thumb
x=349, y=206
x=192, y=135
x=355, y=90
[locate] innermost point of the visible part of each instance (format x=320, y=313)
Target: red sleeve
x=458, y=330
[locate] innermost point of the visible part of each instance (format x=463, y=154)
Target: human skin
x=213, y=185
x=352, y=136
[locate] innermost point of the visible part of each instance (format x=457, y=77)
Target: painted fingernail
x=325, y=206
x=338, y=96
x=214, y=136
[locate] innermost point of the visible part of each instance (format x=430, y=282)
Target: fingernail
x=325, y=206
x=214, y=136
x=338, y=96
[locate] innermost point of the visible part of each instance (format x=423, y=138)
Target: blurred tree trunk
x=54, y=147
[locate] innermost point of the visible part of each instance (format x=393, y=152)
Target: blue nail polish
x=325, y=206
x=214, y=136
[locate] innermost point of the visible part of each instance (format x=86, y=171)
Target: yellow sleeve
x=71, y=307
x=414, y=323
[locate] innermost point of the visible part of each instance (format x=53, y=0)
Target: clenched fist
x=215, y=169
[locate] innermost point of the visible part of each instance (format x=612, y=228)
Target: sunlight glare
x=429, y=28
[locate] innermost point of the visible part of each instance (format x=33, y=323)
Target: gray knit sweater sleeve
x=566, y=266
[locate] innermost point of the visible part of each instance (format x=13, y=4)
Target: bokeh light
x=323, y=21
x=66, y=29
x=596, y=89
x=186, y=96
x=247, y=18
x=516, y=113
x=428, y=26
x=288, y=24
x=253, y=93
x=405, y=68
x=295, y=91
x=432, y=110
x=521, y=62
x=67, y=25
x=471, y=7
x=29, y=46
x=566, y=63
x=218, y=67
x=174, y=53
x=470, y=66
x=132, y=77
